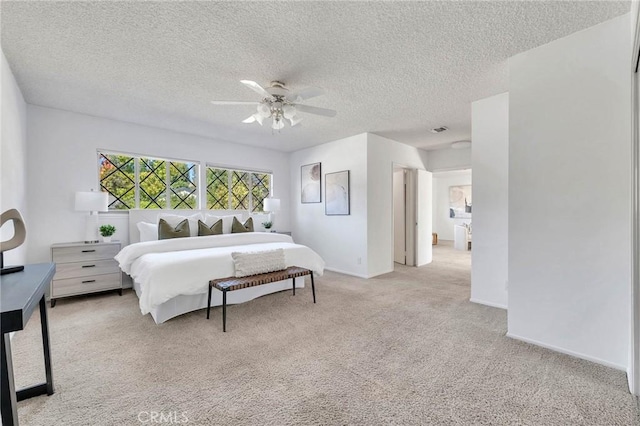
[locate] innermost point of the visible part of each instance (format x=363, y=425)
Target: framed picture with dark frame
x=336, y=193
x=311, y=183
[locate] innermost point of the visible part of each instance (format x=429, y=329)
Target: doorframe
x=396, y=168
x=633, y=373
x=409, y=213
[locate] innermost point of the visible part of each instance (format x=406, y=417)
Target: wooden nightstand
x=84, y=268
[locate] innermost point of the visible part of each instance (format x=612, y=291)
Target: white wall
x=340, y=240
x=13, y=160
x=449, y=159
x=569, y=194
x=442, y=223
x=360, y=244
x=383, y=153
x=489, y=256
x=62, y=150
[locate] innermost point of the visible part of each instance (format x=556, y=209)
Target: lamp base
x=91, y=229
x=11, y=270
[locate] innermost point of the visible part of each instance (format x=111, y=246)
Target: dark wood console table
x=20, y=294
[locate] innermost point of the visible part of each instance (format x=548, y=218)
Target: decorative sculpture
x=19, y=235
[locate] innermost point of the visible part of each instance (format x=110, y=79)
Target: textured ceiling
x=395, y=69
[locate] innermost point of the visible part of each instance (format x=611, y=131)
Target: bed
x=170, y=277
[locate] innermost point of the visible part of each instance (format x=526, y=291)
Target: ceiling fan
x=279, y=104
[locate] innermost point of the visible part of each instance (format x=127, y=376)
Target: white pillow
x=258, y=262
x=227, y=221
x=148, y=231
x=175, y=219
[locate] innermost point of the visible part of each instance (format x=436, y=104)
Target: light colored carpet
x=404, y=348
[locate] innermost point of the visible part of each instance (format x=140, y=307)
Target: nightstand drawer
x=85, y=269
x=71, y=286
x=83, y=253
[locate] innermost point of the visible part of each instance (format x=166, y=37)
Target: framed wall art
x=460, y=201
x=336, y=192
x=310, y=183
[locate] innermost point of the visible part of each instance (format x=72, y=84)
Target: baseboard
x=377, y=274
x=484, y=302
x=345, y=272
x=569, y=352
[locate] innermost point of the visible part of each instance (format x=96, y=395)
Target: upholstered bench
x=226, y=285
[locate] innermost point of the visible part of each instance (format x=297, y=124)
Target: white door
x=423, y=226
x=399, y=225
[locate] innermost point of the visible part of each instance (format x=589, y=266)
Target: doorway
x=412, y=208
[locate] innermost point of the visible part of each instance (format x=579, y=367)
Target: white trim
x=138, y=155
x=568, y=352
x=633, y=370
x=339, y=271
x=237, y=169
x=634, y=352
x=484, y=302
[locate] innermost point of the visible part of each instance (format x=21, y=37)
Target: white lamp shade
x=94, y=201
x=271, y=204
x=264, y=110
x=277, y=124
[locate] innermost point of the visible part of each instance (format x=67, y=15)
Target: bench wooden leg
x=224, y=311
x=209, y=302
x=313, y=288
x=294, y=285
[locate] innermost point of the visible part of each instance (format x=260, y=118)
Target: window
x=237, y=189
x=148, y=183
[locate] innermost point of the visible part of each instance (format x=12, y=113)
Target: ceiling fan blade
x=253, y=119
x=235, y=102
x=256, y=88
x=308, y=93
x=295, y=121
x=315, y=110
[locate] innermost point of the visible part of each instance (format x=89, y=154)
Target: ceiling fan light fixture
x=264, y=110
x=277, y=124
x=289, y=111
x=279, y=104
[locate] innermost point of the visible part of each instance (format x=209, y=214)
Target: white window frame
x=230, y=170
x=167, y=179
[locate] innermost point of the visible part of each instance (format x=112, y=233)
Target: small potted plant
x=107, y=231
x=267, y=225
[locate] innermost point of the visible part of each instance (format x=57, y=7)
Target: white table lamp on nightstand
x=92, y=202
x=271, y=205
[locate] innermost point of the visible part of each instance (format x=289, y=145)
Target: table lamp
x=271, y=205
x=92, y=202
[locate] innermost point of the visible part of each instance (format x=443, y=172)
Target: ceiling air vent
x=439, y=129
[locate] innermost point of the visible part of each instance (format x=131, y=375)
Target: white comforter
x=168, y=268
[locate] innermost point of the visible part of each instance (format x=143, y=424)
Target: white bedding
x=183, y=266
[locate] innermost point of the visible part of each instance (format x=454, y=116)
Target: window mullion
x=250, y=177
x=201, y=178
x=136, y=173
x=229, y=179
x=168, y=184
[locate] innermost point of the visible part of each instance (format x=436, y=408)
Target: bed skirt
x=183, y=304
